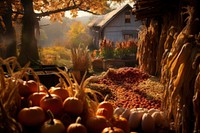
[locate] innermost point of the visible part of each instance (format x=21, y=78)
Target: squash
x=108, y=106
x=152, y=110
x=158, y=118
x=52, y=102
x=34, y=98
x=103, y=112
x=121, y=122
x=126, y=113
x=73, y=106
x=135, y=119
x=52, y=125
x=76, y=127
x=96, y=124
x=26, y=88
x=32, y=116
x=148, y=124
x=118, y=111
x=63, y=93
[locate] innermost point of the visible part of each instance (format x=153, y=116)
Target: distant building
x=118, y=25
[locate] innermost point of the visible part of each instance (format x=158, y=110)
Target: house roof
x=103, y=20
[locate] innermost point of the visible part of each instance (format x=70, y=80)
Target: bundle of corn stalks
x=81, y=61
x=81, y=91
x=176, y=56
x=10, y=100
x=179, y=74
x=147, y=47
x=81, y=58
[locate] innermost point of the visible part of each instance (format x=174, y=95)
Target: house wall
x=117, y=27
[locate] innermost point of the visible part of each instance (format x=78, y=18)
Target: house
x=118, y=25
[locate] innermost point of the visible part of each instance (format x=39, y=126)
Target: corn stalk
x=179, y=57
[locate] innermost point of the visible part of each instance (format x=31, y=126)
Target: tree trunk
x=29, y=50
x=9, y=36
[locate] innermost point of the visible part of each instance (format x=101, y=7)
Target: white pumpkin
x=133, y=109
x=158, y=118
x=142, y=109
x=126, y=113
x=152, y=110
x=118, y=111
x=135, y=119
x=148, y=124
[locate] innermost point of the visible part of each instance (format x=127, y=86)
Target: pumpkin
x=118, y=111
x=103, y=112
x=76, y=127
x=73, y=106
x=26, y=88
x=121, y=122
x=152, y=110
x=96, y=124
x=108, y=106
x=32, y=116
x=52, y=102
x=158, y=118
x=112, y=130
x=34, y=98
x=52, y=125
x=135, y=119
x=148, y=124
x=126, y=113
x=63, y=93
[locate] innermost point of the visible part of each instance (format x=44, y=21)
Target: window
x=127, y=17
x=128, y=36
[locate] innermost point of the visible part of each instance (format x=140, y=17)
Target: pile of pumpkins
x=54, y=110
x=144, y=120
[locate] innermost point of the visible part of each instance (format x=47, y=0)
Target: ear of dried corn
x=179, y=53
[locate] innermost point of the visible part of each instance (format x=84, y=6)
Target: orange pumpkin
x=108, y=106
x=122, y=123
x=35, y=98
x=32, y=116
x=76, y=127
x=63, y=93
x=52, y=102
x=26, y=88
x=52, y=125
x=103, y=112
x=73, y=106
x=112, y=130
x=96, y=124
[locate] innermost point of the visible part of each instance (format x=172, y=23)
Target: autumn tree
x=33, y=10
x=78, y=35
